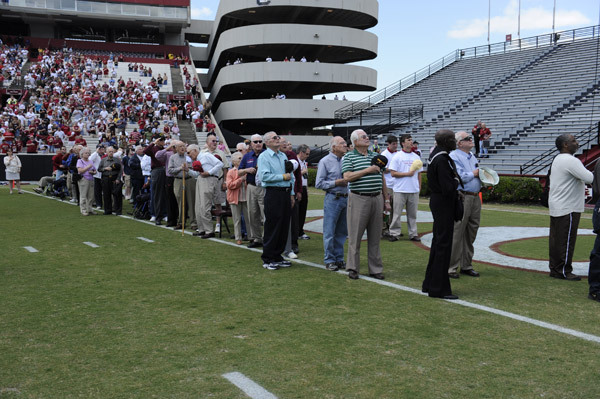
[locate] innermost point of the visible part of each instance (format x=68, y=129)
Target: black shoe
x=415, y=238
x=470, y=272
x=568, y=276
x=178, y=227
x=245, y=238
x=255, y=245
x=393, y=238
x=107, y=213
x=331, y=267
x=157, y=222
x=198, y=233
x=594, y=296
x=208, y=235
x=453, y=275
x=451, y=297
x=378, y=276
x=296, y=250
x=353, y=275
x=283, y=263
x=341, y=265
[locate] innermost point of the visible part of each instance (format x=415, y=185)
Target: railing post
x=361, y=112
x=390, y=116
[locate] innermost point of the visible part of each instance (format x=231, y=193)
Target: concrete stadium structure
x=330, y=31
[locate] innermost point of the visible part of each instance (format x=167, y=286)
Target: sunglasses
x=468, y=138
x=257, y=141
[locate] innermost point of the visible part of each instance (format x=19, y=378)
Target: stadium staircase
x=187, y=132
x=526, y=97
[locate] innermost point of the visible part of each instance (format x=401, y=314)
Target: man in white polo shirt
x=389, y=152
x=406, y=189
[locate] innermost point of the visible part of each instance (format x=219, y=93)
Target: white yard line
x=145, y=239
x=514, y=316
x=249, y=387
x=31, y=249
x=91, y=244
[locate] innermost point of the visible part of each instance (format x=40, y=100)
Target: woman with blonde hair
x=86, y=171
x=236, y=195
x=13, y=170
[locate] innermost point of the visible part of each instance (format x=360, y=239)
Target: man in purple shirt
x=254, y=194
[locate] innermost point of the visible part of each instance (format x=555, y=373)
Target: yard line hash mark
x=91, y=244
x=31, y=249
x=249, y=387
x=145, y=239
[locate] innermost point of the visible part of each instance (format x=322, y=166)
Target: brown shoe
x=453, y=275
x=378, y=276
x=353, y=275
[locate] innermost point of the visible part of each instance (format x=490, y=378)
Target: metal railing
x=547, y=39
x=542, y=161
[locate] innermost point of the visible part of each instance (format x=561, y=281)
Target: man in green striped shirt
x=366, y=202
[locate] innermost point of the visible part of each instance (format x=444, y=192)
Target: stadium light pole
x=519, y=22
x=489, y=17
x=553, y=16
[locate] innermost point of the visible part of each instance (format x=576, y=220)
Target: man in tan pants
x=365, y=205
x=255, y=194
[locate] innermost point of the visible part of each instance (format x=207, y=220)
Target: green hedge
x=508, y=190
x=312, y=176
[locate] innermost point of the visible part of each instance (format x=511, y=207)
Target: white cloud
x=201, y=12
x=534, y=18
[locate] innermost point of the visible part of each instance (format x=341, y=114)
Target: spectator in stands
x=236, y=195
x=255, y=194
x=443, y=181
x=465, y=230
x=13, y=170
x=111, y=170
x=329, y=179
x=484, y=134
x=566, y=203
x=407, y=185
x=365, y=205
x=86, y=170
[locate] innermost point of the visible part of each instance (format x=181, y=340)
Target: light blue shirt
x=271, y=167
x=330, y=170
x=466, y=163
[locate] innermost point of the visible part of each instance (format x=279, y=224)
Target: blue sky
x=413, y=34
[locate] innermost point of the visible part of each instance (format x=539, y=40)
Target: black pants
x=157, y=185
x=136, y=187
x=563, y=234
x=437, y=282
x=172, y=207
x=594, y=272
x=277, y=223
x=302, y=206
x=476, y=141
x=112, y=195
x=98, y=191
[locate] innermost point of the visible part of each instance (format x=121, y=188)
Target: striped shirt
x=355, y=161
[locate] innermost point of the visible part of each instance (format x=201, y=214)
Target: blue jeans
x=335, y=228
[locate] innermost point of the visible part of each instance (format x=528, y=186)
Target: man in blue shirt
x=335, y=226
x=279, y=201
x=465, y=231
x=255, y=193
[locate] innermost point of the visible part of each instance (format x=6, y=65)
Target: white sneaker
x=218, y=228
x=153, y=219
x=291, y=255
x=73, y=200
x=270, y=266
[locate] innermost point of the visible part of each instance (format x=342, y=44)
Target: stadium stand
x=525, y=97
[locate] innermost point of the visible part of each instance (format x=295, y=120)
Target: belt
x=338, y=195
x=366, y=194
x=286, y=189
x=475, y=194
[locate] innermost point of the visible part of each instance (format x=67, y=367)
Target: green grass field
x=167, y=319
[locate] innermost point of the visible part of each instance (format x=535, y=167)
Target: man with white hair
x=207, y=186
x=275, y=173
x=465, y=230
x=329, y=178
x=242, y=148
x=367, y=199
x=255, y=193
